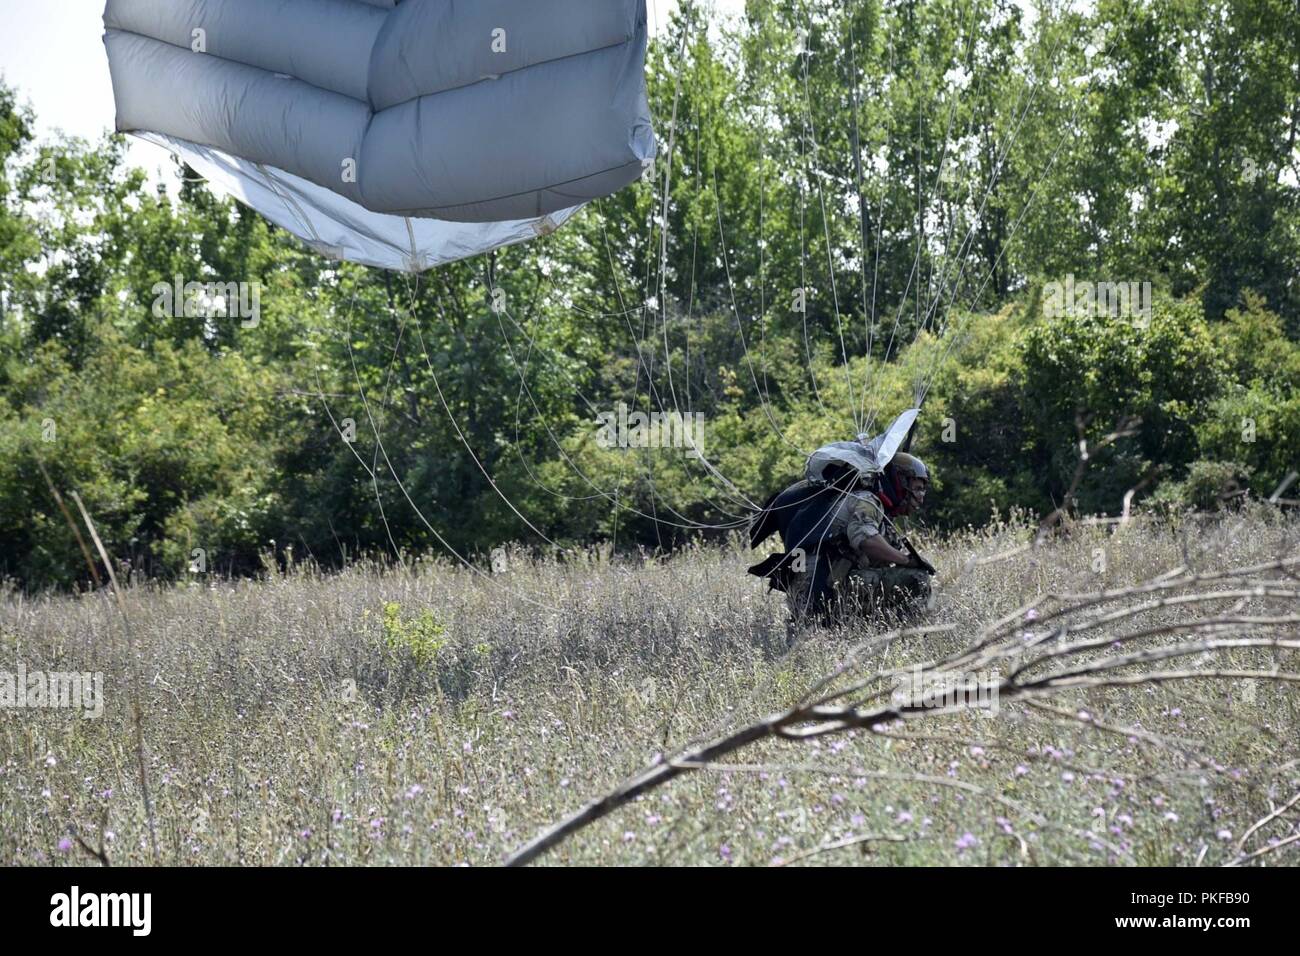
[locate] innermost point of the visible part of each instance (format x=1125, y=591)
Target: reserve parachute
x=865, y=457
x=395, y=133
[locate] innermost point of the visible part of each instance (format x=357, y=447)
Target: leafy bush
x=421, y=637
x=1209, y=485
x=1256, y=418
x=1100, y=371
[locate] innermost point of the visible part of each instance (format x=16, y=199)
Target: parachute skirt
x=339, y=228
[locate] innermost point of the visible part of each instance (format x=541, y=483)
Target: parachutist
x=842, y=549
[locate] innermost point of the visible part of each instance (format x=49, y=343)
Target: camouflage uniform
x=888, y=587
x=842, y=574
x=902, y=590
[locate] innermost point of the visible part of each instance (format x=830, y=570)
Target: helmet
x=904, y=469
x=909, y=466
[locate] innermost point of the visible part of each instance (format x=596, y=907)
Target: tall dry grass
x=434, y=715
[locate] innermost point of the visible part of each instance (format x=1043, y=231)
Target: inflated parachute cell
x=399, y=133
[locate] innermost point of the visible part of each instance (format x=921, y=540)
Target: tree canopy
x=856, y=204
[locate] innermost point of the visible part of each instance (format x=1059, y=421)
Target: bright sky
x=53, y=52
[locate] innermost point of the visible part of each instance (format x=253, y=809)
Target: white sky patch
x=957, y=78
x=53, y=53
x=1156, y=134
x=659, y=11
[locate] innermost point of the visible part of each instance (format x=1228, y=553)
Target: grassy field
x=437, y=715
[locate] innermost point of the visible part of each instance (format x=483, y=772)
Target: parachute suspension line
x=291, y=205
x=695, y=249
x=944, y=163
x=636, y=341
x=379, y=443
x=999, y=161
x=625, y=312
x=397, y=344
x=393, y=471
x=805, y=152
x=726, y=261
x=415, y=259
x=519, y=404
x=651, y=390
x=920, y=215
x=642, y=365
x=691, y=23
x=663, y=257
x=740, y=325
x=622, y=304
x=803, y=265
x=938, y=191
x=766, y=395
x=1000, y=156
x=641, y=358
x=654, y=392
x=763, y=392
x=762, y=235
x=740, y=328
x=868, y=415
x=663, y=266
x=555, y=440
x=474, y=569
x=663, y=224
x=369, y=469
x=741, y=496
x=524, y=389
x=916, y=261
x=373, y=473
x=661, y=312
x=461, y=435
x=855, y=141
x=830, y=262
x=943, y=357
x=519, y=396
x=1033, y=194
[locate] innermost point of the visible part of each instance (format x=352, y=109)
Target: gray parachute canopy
x=867, y=456
x=396, y=133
